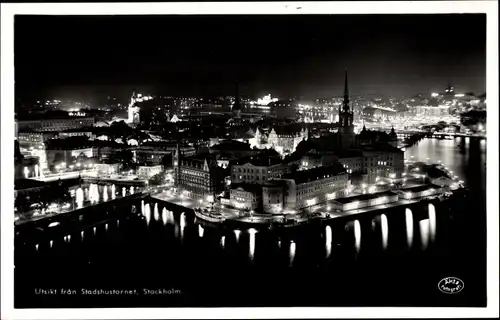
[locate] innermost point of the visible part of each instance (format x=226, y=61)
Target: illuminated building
x=133, y=109
x=285, y=139
x=147, y=171
x=108, y=167
x=304, y=189
x=416, y=192
x=365, y=201
x=55, y=124
x=266, y=100
x=174, y=119
x=246, y=196
x=197, y=176
x=257, y=140
x=257, y=170
x=154, y=152
x=310, y=187
x=34, y=139
x=262, y=105
x=76, y=133
x=390, y=160
x=346, y=117
x=439, y=177
x=68, y=150
x=273, y=196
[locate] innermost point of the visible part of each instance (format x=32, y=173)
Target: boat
x=208, y=216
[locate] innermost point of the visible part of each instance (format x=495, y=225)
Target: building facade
x=306, y=188
x=311, y=187
x=197, y=177
x=33, y=139
x=246, y=196
x=285, y=139
x=258, y=170
x=108, y=168
x=390, y=160
x=155, y=153
x=55, y=125
x=146, y=172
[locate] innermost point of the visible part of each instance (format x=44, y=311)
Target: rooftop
x=365, y=197
x=232, y=145
x=373, y=135
x=433, y=171
x=49, y=115
x=250, y=187
x=259, y=161
x=82, y=129
x=70, y=143
x=316, y=173
x=420, y=188
x=349, y=153
x=80, y=142
x=109, y=161
x=164, y=145
x=290, y=129
x=382, y=147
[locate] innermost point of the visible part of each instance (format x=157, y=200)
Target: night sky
x=285, y=55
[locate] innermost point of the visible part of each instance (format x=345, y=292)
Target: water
x=391, y=259
x=105, y=193
x=409, y=227
x=79, y=197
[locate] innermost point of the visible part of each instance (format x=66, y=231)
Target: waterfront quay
x=415, y=220
x=349, y=207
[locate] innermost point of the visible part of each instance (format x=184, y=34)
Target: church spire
x=346, y=93
x=346, y=86
x=236, y=106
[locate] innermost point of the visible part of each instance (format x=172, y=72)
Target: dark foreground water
x=371, y=262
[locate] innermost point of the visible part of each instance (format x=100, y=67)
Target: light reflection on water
x=464, y=156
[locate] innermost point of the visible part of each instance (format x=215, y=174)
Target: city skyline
x=301, y=56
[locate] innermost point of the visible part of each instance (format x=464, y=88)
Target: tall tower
x=236, y=109
x=133, y=110
x=346, y=118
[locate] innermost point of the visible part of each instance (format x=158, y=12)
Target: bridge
x=117, y=182
x=64, y=175
x=91, y=176
x=409, y=133
x=71, y=221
